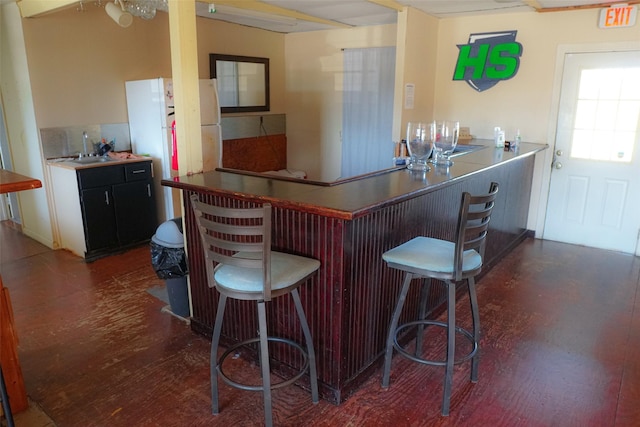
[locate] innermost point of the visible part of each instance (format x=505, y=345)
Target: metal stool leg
x=451, y=346
x=215, y=341
x=476, y=326
x=392, y=330
x=6, y=407
x=313, y=375
x=422, y=314
x=264, y=364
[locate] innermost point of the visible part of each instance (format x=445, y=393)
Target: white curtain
x=367, y=113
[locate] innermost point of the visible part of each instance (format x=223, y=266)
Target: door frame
x=552, y=128
x=9, y=206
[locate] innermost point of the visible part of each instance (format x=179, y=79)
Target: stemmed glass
x=420, y=145
x=446, y=139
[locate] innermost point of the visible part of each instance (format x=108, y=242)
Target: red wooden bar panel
x=349, y=302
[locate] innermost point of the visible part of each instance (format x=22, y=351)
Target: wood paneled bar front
x=347, y=226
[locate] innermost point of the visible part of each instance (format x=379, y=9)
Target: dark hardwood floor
x=560, y=347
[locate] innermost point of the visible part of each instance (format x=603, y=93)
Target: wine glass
x=446, y=139
x=420, y=145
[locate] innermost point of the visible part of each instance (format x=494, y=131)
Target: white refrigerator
x=151, y=113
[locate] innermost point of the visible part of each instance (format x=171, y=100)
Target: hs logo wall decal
x=487, y=59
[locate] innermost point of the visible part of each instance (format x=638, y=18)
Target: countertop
x=72, y=164
x=353, y=198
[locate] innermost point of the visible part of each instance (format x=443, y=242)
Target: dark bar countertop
x=354, y=197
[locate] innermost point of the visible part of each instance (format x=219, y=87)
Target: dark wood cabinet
x=136, y=211
x=99, y=217
x=118, y=206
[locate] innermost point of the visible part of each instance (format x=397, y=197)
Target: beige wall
x=427, y=53
x=525, y=101
x=20, y=120
x=314, y=94
x=73, y=66
x=416, y=65
x=221, y=37
x=529, y=100
x=79, y=61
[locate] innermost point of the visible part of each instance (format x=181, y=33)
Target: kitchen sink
x=466, y=148
x=91, y=159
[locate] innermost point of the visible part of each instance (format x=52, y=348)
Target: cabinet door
x=99, y=218
x=135, y=211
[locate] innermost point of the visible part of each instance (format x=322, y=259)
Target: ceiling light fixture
x=123, y=11
x=146, y=9
x=118, y=13
x=250, y=14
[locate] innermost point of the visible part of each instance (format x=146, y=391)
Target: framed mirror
x=243, y=82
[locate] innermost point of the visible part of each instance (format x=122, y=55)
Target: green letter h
x=465, y=61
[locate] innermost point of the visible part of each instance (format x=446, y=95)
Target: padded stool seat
x=449, y=262
x=428, y=254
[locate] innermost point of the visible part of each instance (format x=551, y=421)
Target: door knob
x=557, y=165
x=559, y=153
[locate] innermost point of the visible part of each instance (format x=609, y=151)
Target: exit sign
x=618, y=15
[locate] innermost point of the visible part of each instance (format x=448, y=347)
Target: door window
x=607, y=111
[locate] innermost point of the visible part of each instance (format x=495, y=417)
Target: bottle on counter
x=498, y=137
x=516, y=140
x=400, y=154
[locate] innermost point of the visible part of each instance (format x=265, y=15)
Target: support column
x=184, y=66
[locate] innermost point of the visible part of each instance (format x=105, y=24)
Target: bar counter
x=11, y=182
x=347, y=226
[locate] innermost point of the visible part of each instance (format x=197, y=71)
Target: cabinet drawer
x=100, y=176
x=138, y=171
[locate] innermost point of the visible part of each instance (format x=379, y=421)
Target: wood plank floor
x=560, y=347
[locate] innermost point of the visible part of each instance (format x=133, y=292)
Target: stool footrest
x=232, y=383
x=415, y=358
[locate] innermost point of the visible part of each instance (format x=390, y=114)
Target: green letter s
x=501, y=66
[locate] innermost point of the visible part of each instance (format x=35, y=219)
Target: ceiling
x=288, y=16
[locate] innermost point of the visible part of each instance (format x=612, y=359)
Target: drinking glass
x=445, y=142
x=420, y=145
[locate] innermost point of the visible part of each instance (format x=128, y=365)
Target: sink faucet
x=84, y=143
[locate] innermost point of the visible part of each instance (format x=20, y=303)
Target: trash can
x=170, y=264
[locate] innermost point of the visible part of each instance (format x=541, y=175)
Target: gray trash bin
x=169, y=262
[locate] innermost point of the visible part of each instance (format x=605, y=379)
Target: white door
x=594, y=194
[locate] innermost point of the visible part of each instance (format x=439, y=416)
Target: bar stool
x=449, y=262
x=239, y=241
